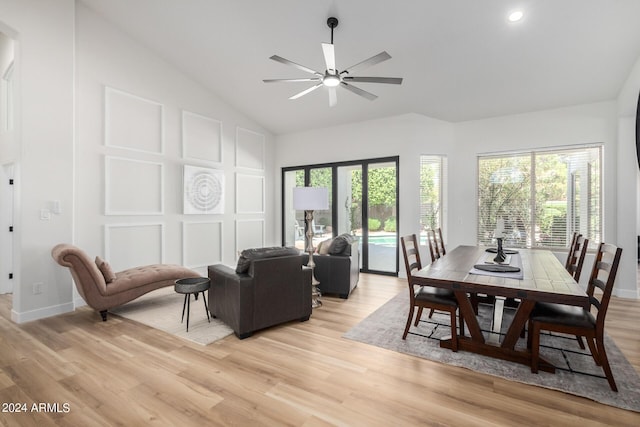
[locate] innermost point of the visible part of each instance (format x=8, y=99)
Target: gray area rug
x=577, y=373
x=162, y=309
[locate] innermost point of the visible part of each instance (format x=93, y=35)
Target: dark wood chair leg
x=406, y=329
x=595, y=351
x=602, y=354
x=103, y=313
x=418, y=316
x=431, y=313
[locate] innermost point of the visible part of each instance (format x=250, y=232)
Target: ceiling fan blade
x=389, y=80
x=359, y=91
x=306, y=91
x=382, y=56
x=310, y=79
x=333, y=97
x=329, y=57
x=298, y=66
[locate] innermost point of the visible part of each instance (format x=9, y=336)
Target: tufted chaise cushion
x=141, y=276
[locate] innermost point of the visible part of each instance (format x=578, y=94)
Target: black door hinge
x=11, y=229
x=10, y=275
x=11, y=181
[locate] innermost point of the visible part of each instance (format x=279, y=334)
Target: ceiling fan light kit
x=332, y=78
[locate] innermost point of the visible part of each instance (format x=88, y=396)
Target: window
x=542, y=196
x=433, y=170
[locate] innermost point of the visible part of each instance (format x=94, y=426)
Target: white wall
x=565, y=126
x=412, y=135
x=44, y=128
x=61, y=80
x=107, y=57
x=628, y=172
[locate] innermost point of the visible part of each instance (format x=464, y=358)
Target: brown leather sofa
x=337, y=272
x=274, y=289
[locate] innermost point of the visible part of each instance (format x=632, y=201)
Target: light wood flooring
x=301, y=374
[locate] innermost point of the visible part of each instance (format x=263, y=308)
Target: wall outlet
x=37, y=288
x=45, y=215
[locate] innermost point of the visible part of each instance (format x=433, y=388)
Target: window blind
x=543, y=196
x=433, y=172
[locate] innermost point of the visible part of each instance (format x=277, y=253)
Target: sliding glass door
x=363, y=202
x=380, y=233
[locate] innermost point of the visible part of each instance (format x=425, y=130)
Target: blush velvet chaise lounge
x=103, y=290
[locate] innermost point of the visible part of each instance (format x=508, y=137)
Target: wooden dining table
x=544, y=279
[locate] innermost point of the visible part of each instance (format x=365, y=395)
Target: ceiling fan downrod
x=332, y=22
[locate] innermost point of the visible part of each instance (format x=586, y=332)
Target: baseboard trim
x=41, y=313
x=626, y=293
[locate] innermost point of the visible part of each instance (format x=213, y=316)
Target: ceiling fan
x=332, y=77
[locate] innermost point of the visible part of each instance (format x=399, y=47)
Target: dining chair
x=437, y=250
x=439, y=240
x=579, y=321
x=433, y=245
x=575, y=261
x=576, y=256
x=427, y=296
x=435, y=254
x=570, y=252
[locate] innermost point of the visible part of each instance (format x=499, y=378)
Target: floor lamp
x=309, y=199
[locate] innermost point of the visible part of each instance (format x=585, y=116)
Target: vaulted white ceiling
x=460, y=59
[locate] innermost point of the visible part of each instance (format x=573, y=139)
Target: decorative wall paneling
x=133, y=122
x=133, y=244
x=201, y=138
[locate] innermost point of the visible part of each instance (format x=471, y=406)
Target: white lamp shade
x=310, y=198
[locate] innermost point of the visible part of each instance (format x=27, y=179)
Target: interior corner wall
x=44, y=167
x=109, y=60
x=628, y=183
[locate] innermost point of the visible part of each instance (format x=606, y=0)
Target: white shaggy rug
x=162, y=309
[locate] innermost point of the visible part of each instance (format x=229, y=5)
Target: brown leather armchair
x=273, y=291
x=337, y=273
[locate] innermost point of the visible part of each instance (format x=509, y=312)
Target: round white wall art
x=203, y=190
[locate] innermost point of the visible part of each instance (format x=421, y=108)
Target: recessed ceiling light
x=516, y=16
